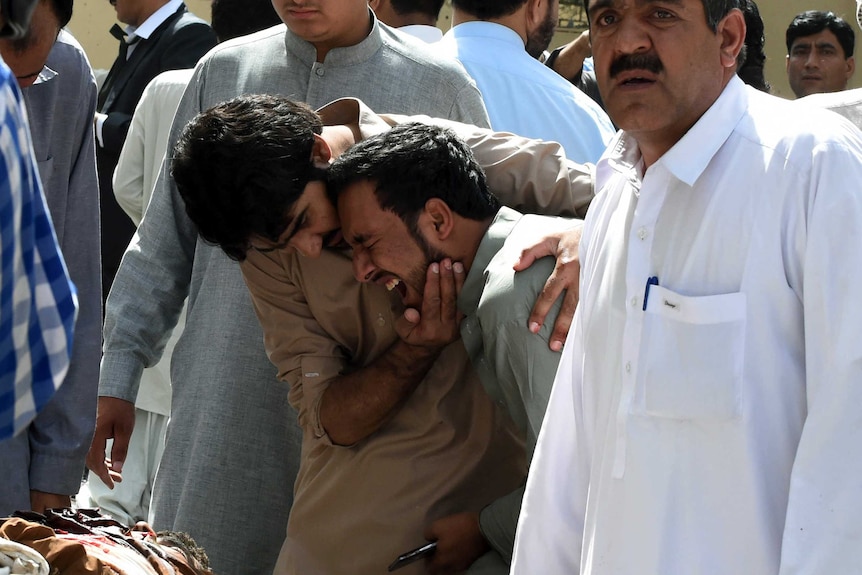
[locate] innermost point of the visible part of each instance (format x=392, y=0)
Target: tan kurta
x=448, y=449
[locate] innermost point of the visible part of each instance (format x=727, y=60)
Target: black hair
x=815, y=21
x=62, y=10
x=752, y=58
x=234, y=18
x=426, y=7
x=486, y=9
x=241, y=165
x=412, y=163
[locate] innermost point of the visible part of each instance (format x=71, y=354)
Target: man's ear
x=534, y=14
x=321, y=153
x=374, y=5
x=731, y=30
x=851, y=67
x=439, y=219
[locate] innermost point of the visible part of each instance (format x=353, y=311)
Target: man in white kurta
x=707, y=413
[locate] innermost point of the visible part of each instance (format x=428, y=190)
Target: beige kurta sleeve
x=303, y=353
x=318, y=323
x=531, y=176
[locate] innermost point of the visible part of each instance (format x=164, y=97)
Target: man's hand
x=41, y=501
x=565, y=277
x=570, y=60
x=459, y=543
x=115, y=419
x=438, y=322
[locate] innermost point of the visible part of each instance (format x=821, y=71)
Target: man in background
x=137, y=170
x=37, y=299
x=415, y=17
x=819, y=53
x=44, y=464
x=159, y=35
x=848, y=103
x=499, y=43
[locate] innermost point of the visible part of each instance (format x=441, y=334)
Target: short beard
x=431, y=254
x=540, y=39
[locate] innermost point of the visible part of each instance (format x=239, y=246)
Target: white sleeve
x=823, y=529
x=129, y=174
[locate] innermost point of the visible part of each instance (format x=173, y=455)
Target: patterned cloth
x=38, y=303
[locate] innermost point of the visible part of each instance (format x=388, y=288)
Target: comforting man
x=352, y=412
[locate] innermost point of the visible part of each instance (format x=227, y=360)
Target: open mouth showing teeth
x=398, y=286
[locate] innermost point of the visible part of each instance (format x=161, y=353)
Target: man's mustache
x=648, y=62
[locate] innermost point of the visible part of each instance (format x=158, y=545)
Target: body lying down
x=84, y=542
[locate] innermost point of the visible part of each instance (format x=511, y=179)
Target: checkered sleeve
x=38, y=303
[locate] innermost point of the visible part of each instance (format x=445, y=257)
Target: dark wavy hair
x=241, y=165
x=412, y=163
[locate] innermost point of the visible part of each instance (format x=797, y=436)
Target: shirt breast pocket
x=692, y=356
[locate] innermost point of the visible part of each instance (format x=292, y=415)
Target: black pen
x=653, y=281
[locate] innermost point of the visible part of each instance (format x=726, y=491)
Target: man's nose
x=363, y=269
x=632, y=37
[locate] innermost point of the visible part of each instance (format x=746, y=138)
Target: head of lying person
x=85, y=541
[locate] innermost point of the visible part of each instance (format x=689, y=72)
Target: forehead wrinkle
x=637, y=3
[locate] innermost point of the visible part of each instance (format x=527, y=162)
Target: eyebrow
x=825, y=44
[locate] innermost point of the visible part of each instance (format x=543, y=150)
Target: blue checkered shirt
x=38, y=303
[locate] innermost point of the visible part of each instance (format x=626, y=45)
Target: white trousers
x=129, y=501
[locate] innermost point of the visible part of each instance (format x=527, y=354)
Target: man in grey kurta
x=232, y=445
x=43, y=466
x=516, y=367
